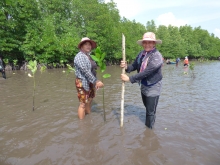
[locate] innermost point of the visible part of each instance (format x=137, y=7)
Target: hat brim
x=139, y=42
x=93, y=43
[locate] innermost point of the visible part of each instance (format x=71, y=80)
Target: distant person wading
x=186, y=62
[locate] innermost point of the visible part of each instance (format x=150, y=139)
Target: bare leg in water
x=84, y=108
x=81, y=110
x=88, y=106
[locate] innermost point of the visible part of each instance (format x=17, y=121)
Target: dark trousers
x=3, y=74
x=150, y=104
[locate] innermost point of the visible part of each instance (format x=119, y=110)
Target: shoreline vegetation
x=23, y=66
x=11, y=66
x=50, y=32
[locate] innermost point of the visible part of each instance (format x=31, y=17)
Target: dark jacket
x=152, y=73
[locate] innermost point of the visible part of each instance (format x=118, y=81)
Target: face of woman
x=86, y=47
x=148, y=45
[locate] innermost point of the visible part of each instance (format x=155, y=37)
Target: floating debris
x=29, y=75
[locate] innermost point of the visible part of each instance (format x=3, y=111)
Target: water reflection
x=186, y=129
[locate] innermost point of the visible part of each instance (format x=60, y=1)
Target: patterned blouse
x=84, y=66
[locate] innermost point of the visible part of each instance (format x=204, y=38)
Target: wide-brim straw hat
x=86, y=39
x=149, y=36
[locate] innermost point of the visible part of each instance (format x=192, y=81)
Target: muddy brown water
x=186, y=132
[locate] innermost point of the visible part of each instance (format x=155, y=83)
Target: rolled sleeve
x=133, y=66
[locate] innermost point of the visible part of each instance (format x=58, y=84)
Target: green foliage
x=151, y=27
x=191, y=67
x=43, y=68
x=69, y=68
x=32, y=65
x=15, y=62
x=106, y=75
x=50, y=30
x=99, y=57
x=6, y=61
x=62, y=63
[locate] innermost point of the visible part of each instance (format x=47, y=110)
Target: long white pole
x=123, y=83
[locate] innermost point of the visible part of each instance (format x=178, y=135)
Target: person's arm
x=79, y=62
x=154, y=64
x=134, y=65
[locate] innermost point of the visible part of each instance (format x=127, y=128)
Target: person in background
x=168, y=61
x=86, y=80
x=177, y=61
x=148, y=64
x=186, y=61
x=2, y=67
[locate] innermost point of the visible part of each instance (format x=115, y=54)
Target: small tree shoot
x=191, y=67
x=33, y=67
x=99, y=58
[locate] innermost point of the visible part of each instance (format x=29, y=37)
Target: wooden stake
x=123, y=83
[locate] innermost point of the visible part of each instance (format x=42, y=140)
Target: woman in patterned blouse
x=86, y=81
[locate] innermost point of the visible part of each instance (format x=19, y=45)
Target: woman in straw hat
x=86, y=80
x=148, y=64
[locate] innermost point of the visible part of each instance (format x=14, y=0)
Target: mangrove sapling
x=191, y=67
x=62, y=64
x=32, y=65
x=43, y=68
x=99, y=58
x=15, y=63
x=6, y=61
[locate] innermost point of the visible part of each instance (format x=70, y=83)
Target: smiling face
x=86, y=47
x=148, y=45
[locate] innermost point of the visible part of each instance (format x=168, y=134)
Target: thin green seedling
x=32, y=65
x=191, y=67
x=15, y=63
x=6, y=61
x=99, y=58
x=62, y=64
x=43, y=68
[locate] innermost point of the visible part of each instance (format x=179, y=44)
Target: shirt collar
x=85, y=52
x=147, y=52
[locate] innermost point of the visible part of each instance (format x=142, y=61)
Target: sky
x=204, y=13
